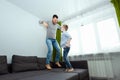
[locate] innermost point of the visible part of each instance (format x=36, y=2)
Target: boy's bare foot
x=66, y=70
x=48, y=66
x=58, y=64
x=70, y=70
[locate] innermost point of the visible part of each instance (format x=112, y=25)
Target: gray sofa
x=32, y=68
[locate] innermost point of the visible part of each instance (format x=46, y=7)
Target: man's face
x=55, y=20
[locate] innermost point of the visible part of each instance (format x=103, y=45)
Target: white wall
x=20, y=32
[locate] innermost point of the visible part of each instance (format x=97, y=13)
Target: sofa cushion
x=22, y=75
x=24, y=63
x=53, y=76
x=41, y=63
x=82, y=73
x=3, y=65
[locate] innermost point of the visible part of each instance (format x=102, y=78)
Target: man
x=51, y=41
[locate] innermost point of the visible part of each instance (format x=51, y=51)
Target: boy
x=65, y=44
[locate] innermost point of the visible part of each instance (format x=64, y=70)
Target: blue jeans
x=65, y=53
x=50, y=43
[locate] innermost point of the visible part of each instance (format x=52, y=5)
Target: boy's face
x=62, y=28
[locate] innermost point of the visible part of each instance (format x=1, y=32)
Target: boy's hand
x=68, y=45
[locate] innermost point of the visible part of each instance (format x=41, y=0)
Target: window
x=107, y=32
x=75, y=43
x=94, y=37
x=88, y=39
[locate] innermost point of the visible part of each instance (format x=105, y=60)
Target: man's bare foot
x=48, y=66
x=58, y=64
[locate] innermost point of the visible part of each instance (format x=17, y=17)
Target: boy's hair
x=66, y=27
x=55, y=16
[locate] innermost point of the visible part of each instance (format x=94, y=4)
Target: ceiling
x=44, y=9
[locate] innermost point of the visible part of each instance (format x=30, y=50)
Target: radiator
x=99, y=65
x=100, y=68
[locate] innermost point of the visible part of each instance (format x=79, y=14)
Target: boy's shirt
x=64, y=38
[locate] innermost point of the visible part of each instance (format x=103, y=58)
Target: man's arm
x=59, y=27
x=44, y=23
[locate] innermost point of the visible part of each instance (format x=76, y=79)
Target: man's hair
x=55, y=16
x=66, y=27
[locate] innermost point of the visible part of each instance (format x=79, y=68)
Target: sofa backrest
x=76, y=64
x=40, y=63
x=3, y=65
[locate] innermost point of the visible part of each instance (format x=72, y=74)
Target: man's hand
x=44, y=23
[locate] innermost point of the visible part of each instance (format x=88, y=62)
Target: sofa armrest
x=80, y=64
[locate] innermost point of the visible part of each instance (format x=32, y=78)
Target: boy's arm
x=68, y=42
x=69, y=39
x=44, y=23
